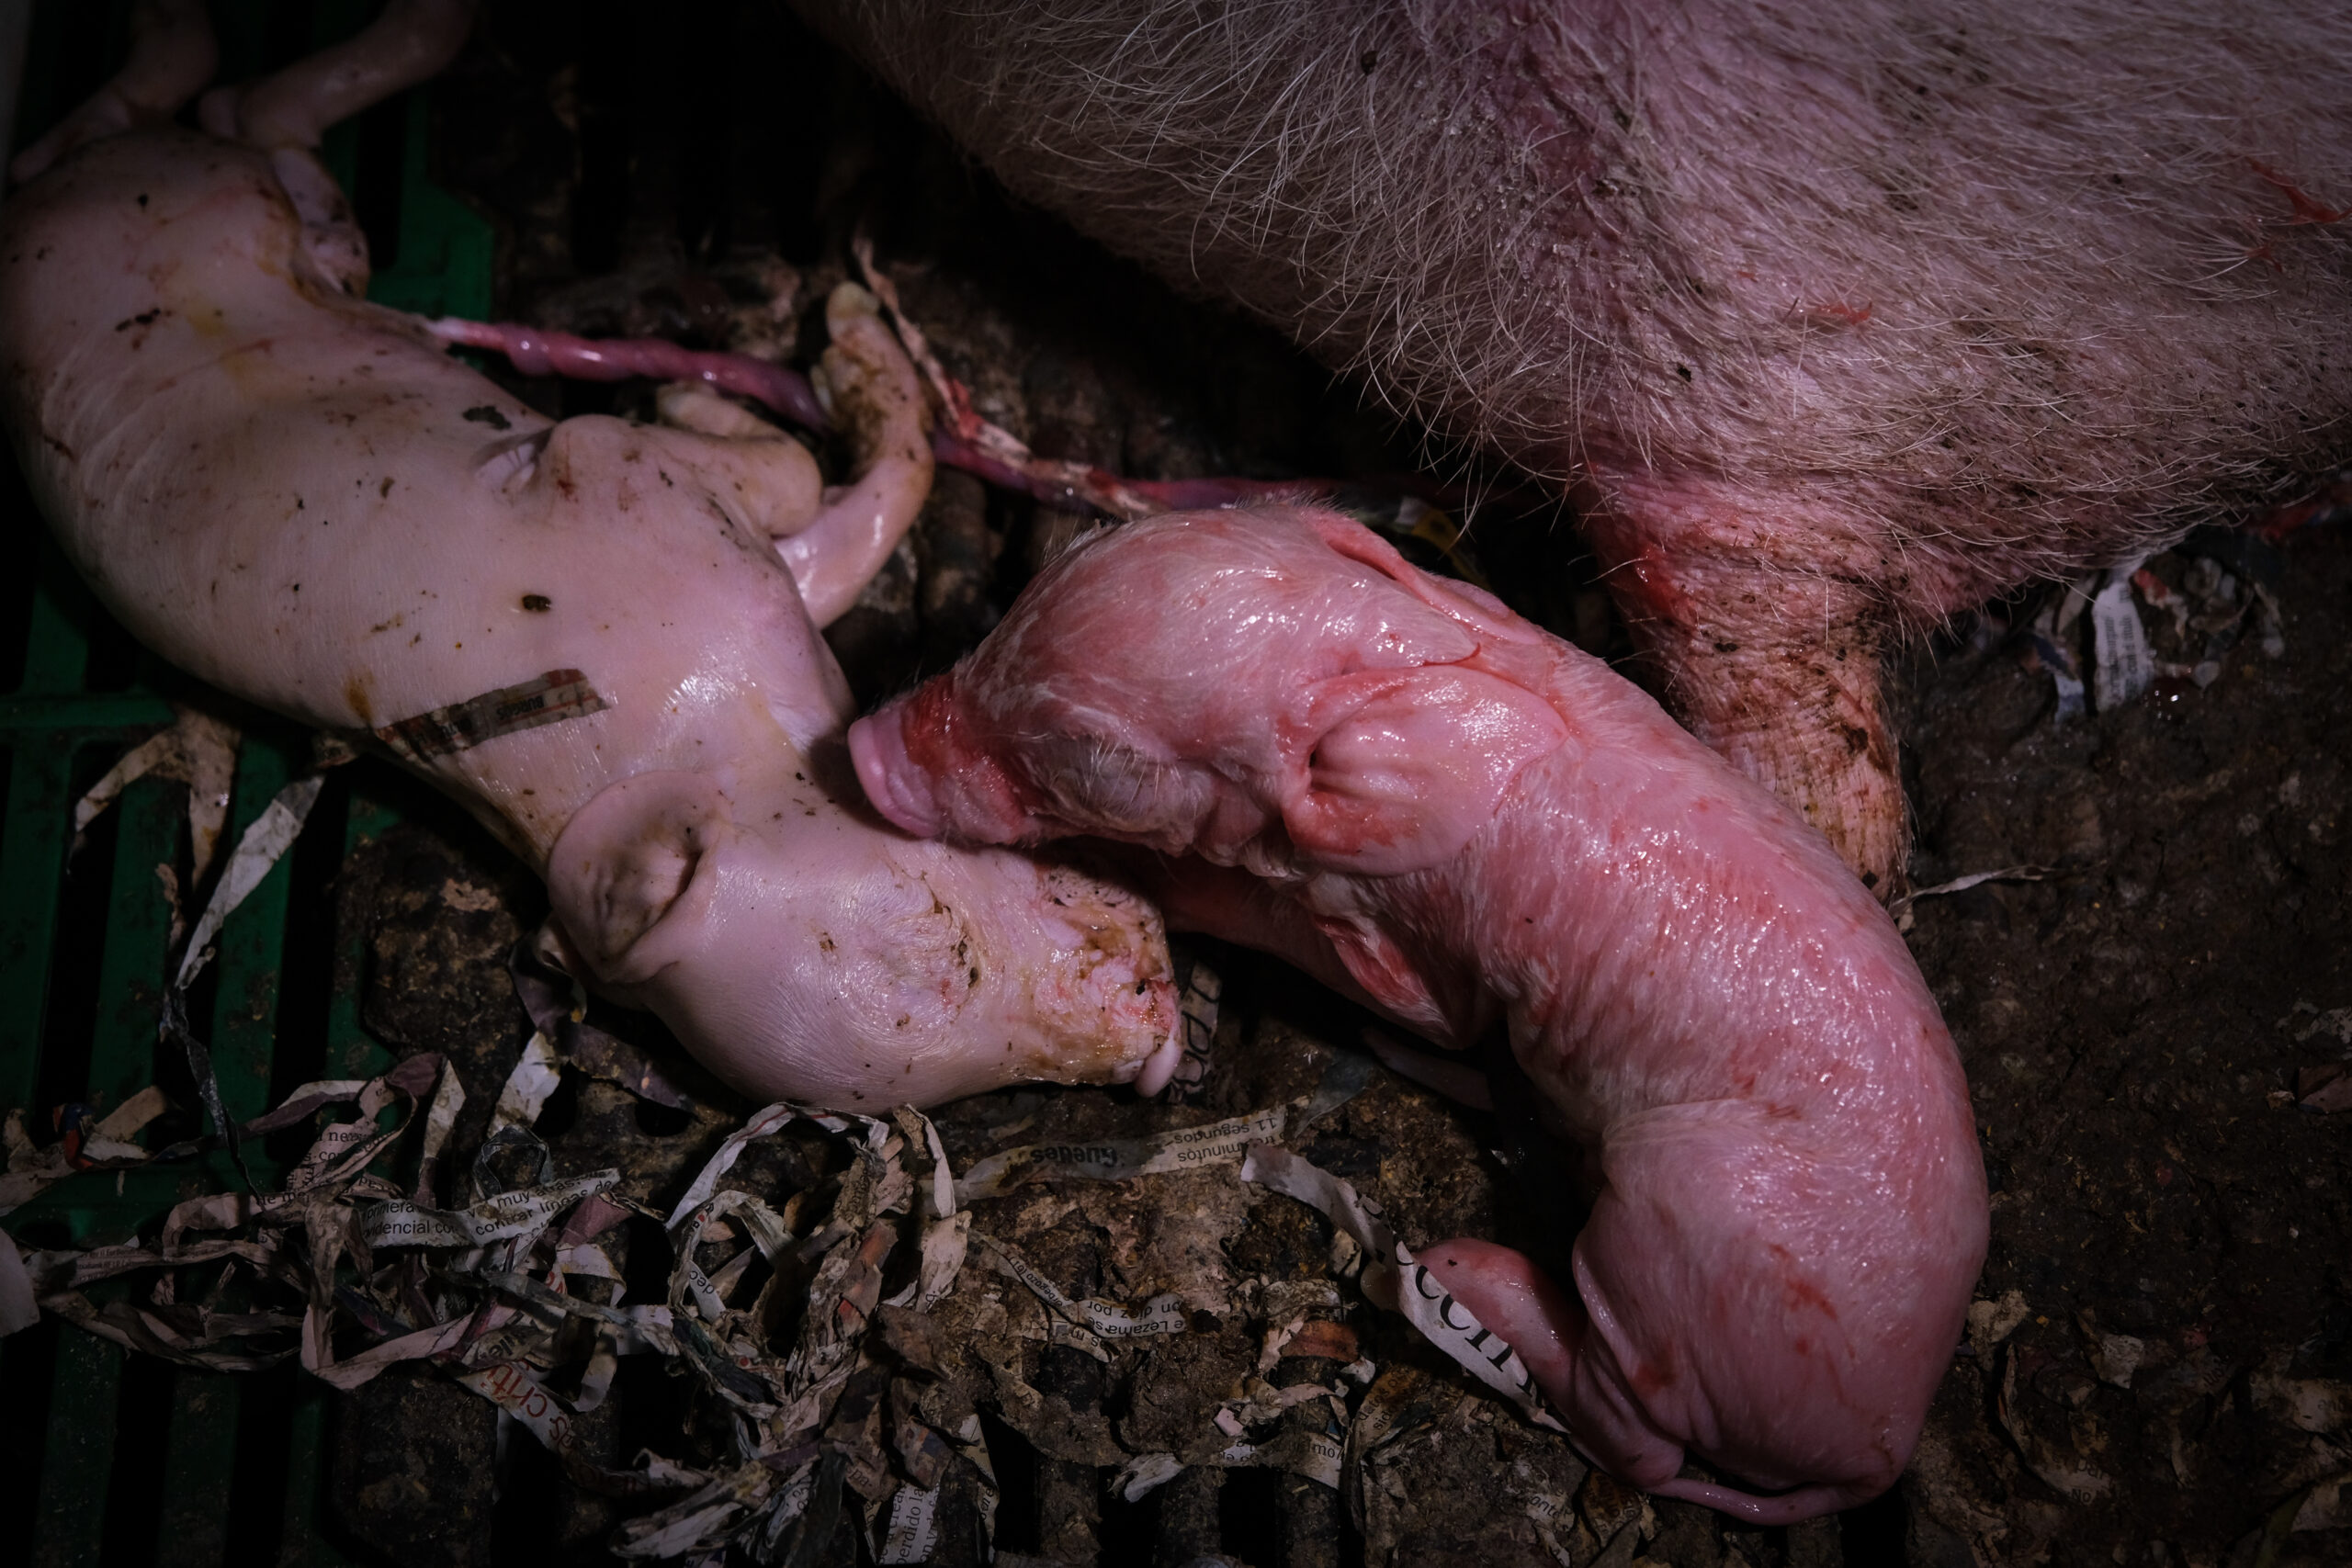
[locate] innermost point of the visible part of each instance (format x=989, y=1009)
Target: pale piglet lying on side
x=1470, y=823
x=600, y=636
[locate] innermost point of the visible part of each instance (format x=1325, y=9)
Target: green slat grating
x=244, y=1011
x=305, y=1540
x=199, y=1454
x=80, y=1449
x=139, y=929
x=68, y=1526
x=351, y=1052
x=32, y=864
x=200, y=1440
x=100, y=1493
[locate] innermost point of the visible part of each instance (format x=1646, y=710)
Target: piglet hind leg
x=1697, y=1316
x=832, y=539
x=1554, y=1336
x=872, y=392
x=172, y=55
x=409, y=43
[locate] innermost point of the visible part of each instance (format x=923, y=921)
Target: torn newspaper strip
x=1394, y=1280
x=550, y=698
x=1200, y=993
x=913, y=1528
x=1086, y=1324
x=197, y=751
x=500, y=1217
x=1115, y=1159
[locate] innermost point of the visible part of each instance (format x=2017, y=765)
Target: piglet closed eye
x=1472, y=825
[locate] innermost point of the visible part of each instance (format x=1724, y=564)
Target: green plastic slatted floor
x=230, y=1449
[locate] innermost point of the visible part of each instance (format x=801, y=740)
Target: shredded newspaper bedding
x=509, y=1292
x=812, y=1319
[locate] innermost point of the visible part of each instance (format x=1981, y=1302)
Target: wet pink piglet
x=601, y=637
x=1398, y=783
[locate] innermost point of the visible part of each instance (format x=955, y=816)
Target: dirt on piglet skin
x=2160, y=1357
x=2159, y=1366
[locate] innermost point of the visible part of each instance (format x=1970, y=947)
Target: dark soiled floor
x=2160, y=1370
x=2138, y=1029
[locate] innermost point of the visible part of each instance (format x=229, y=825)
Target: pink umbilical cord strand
x=1077, y=487
x=535, y=351
x=1000, y=461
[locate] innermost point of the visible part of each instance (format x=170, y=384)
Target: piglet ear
x=631, y=872
x=1405, y=766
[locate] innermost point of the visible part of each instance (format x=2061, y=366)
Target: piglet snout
x=894, y=785
x=921, y=768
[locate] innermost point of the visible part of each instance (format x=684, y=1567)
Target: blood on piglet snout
x=1472, y=825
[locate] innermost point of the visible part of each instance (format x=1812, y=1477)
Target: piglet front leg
x=409, y=43
x=833, y=539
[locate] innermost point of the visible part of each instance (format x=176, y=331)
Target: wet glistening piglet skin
x=1402, y=786
x=302, y=498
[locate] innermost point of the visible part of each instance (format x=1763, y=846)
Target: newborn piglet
x=601, y=637
x=1399, y=784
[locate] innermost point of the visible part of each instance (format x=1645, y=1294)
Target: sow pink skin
x=1469, y=822
x=302, y=498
